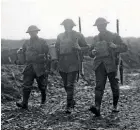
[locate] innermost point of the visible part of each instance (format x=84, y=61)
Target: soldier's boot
x=70, y=101
x=115, y=103
x=43, y=97
x=96, y=109
x=73, y=104
x=24, y=103
x=116, y=94
x=70, y=106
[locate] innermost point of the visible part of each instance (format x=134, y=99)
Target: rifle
x=120, y=62
x=80, y=25
x=80, y=60
x=81, y=56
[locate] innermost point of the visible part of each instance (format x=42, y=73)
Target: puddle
x=134, y=74
x=127, y=87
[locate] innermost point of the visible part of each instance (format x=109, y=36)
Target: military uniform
x=35, y=52
x=105, y=65
x=69, y=60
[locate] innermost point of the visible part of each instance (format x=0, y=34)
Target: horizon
x=55, y=38
x=18, y=15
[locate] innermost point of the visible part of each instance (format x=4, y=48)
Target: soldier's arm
x=82, y=43
x=121, y=46
x=90, y=51
x=92, y=47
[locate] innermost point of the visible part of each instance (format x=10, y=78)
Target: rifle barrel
x=118, y=27
x=120, y=65
x=80, y=25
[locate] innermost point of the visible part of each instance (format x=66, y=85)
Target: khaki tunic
x=69, y=62
x=109, y=61
x=31, y=49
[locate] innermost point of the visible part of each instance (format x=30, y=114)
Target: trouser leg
x=26, y=95
x=64, y=78
x=114, y=87
x=65, y=81
x=101, y=77
x=71, y=78
x=27, y=86
x=42, y=85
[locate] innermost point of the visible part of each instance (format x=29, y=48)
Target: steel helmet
x=32, y=28
x=68, y=21
x=100, y=21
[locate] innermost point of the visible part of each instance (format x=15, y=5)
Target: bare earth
x=51, y=115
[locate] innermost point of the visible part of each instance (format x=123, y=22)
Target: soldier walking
x=68, y=46
x=34, y=54
x=105, y=49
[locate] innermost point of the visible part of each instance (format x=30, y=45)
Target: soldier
x=105, y=49
x=68, y=46
x=34, y=54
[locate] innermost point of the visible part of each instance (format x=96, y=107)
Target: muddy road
x=51, y=116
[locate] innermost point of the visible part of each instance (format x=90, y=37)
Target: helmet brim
x=65, y=24
x=32, y=31
x=100, y=24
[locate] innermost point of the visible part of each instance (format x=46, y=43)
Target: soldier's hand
x=112, y=45
x=19, y=50
x=76, y=45
x=17, y=62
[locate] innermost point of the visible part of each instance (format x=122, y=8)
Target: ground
x=51, y=115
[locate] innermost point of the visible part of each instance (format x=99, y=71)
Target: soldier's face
x=33, y=33
x=68, y=27
x=102, y=27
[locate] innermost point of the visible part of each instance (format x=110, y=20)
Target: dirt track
x=52, y=117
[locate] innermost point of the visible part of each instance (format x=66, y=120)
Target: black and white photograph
x=70, y=65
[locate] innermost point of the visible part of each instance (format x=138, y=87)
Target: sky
x=18, y=15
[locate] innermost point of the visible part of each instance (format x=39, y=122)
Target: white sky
x=17, y=15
